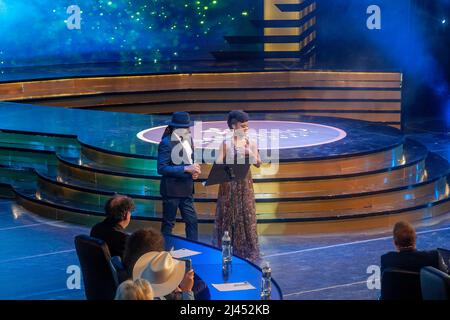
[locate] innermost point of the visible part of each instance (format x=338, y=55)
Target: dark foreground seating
x=397, y=284
x=99, y=276
x=435, y=284
x=445, y=254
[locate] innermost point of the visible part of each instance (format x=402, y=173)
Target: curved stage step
x=389, y=157
x=430, y=186
x=370, y=96
x=144, y=182
x=268, y=224
x=434, y=182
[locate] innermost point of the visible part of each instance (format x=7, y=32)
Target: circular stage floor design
x=268, y=133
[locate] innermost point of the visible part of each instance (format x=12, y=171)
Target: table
x=208, y=266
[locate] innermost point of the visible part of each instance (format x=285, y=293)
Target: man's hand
x=193, y=168
x=187, y=283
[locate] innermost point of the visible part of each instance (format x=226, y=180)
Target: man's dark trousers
x=186, y=206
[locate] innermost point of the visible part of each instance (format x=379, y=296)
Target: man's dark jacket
x=175, y=183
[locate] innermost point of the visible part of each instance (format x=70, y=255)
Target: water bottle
x=266, y=282
x=226, y=256
x=226, y=248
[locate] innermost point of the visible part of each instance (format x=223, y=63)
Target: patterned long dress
x=243, y=230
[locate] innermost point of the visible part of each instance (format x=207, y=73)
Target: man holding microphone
x=178, y=170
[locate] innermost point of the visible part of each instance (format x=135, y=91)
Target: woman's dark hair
x=168, y=132
x=116, y=207
x=139, y=243
x=236, y=116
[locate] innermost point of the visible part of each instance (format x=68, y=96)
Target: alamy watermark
x=73, y=281
x=374, y=20
x=217, y=146
x=73, y=22
x=374, y=279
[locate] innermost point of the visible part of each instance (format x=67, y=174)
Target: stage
x=72, y=136
x=348, y=104
x=334, y=174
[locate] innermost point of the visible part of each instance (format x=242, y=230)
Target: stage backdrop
x=350, y=34
x=410, y=36
x=80, y=31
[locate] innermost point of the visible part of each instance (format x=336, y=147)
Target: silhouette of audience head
x=404, y=236
x=119, y=208
x=139, y=289
x=141, y=242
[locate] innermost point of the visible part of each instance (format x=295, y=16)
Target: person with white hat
x=165, y=274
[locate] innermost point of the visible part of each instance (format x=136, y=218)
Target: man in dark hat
x=178, y=170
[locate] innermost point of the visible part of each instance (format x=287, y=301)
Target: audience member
x=407, y=257
x=112, y=230
x=165, y=274
x=139, y=289
x=138, y=244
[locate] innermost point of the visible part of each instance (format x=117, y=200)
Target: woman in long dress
x=237, y=215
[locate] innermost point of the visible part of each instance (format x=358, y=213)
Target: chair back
x=445, y=255
x=99, y=277
x=397, y=284
x=435, y=284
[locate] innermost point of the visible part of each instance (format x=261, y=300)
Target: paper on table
x=183, y=253
x=237, y=286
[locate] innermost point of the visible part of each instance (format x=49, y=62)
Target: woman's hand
x=253, y=154
x=249, y=152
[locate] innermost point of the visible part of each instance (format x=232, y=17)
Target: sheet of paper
x=236, y=286
x=183, y=253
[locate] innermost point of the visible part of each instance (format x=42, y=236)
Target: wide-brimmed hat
x=181, y=120
x=162, y=271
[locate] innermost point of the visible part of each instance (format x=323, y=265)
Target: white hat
x=162, y=271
